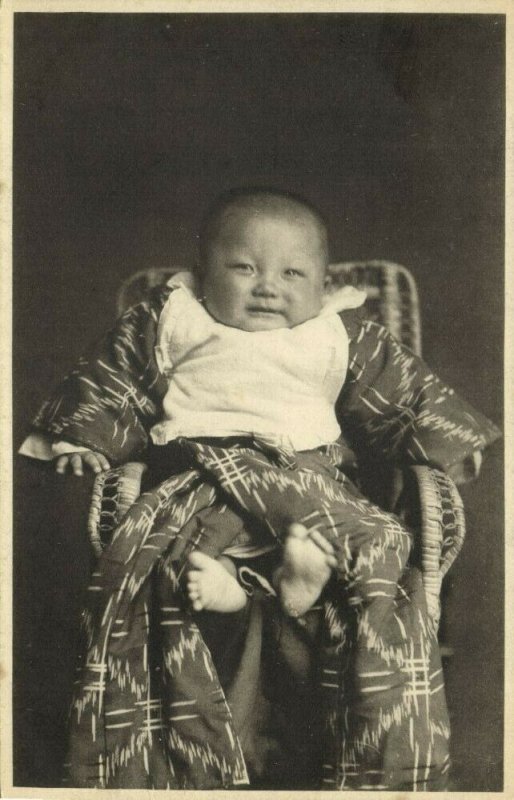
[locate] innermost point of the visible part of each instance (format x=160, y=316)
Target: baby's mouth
x=264, y=310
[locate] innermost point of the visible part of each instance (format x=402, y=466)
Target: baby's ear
x=328, y=283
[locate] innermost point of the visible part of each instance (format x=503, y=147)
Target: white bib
x=224, y=381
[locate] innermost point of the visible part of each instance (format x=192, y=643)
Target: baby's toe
x=199, y=560
x=298, y=531
x=193, y=592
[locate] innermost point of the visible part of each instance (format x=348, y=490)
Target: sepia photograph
x=258, y=306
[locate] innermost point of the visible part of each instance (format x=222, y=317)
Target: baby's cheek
x=305, y=306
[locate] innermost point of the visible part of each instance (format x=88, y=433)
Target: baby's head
x=263, y=260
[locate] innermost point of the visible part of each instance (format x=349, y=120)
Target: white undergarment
x=224, y=381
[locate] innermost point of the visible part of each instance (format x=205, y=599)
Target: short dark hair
x=248, y=196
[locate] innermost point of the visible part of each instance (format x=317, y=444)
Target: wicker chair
x=431, y=502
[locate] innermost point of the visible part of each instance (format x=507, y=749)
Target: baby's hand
x=95, y=461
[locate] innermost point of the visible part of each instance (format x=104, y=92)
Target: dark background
x=126, y=126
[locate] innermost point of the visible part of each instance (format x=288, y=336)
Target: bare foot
x=307, y=562
x=211, y=587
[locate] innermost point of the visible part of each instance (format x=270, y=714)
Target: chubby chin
x=246, y=319
x=252, y=319
x=263, y=321
x=252, y=322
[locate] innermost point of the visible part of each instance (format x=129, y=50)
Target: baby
x=263, y=267
x=236, y=378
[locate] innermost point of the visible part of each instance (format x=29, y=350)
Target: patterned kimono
x=351, y=695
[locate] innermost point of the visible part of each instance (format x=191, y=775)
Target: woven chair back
x=392, y=296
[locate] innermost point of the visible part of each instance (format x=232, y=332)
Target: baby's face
x=265, y=271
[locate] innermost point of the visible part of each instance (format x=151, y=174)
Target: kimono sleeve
x=394, y=408
x=114, y=395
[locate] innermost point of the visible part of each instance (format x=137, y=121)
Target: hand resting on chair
x=77, y=460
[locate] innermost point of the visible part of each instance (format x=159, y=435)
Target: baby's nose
x=265, y=287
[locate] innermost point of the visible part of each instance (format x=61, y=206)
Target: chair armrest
x=441, y=528
x=114, y=491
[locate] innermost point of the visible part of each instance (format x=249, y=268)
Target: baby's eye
x=242, y=267
x=292, y=272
